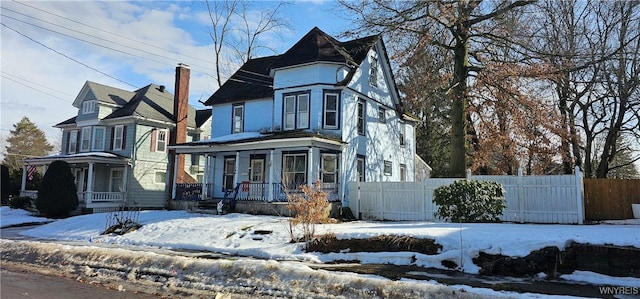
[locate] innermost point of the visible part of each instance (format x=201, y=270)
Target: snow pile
x=9, y=217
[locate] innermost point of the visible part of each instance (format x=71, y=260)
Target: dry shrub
x=309, y=207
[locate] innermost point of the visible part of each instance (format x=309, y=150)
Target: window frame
x=326, y=110
x=85, y=136
x=382, y=115
x=296, y=113
x=233, y=118
x=335, y=170
x=373, y=72
x=89, y=106
x=226, y=174
x=289, y=185
x=361, y=122
x=161, y=132
x=403, y=134
x=361, y=175
x=94, y=141
x=403, y=172
x=155, y=176
x=73, y=140
x=387, y=168
x=115, y=138
x=111, y=177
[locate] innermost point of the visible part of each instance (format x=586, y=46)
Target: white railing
x=105, y=197
x=29, y=193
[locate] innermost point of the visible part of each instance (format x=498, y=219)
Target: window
x=160, y=177
x=85, y=139
x=403, y=172
x=382, y=115
x=229, y=173
x=331, y=103
x=118, y=138
x=294, y=170
x=98, y=138
x=238, y=118
x=88, y=107
x=73, y=142
x=159, y=139
x=361, y=116
x=329, y=168
x=402, y=134
x=115, y=183
x=296, y=111
x=361, y=168
x=195, y=158
x=373, y=73
x=387, y=167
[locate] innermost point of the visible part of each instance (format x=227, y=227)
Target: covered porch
x=262, y=167
x=100, y=178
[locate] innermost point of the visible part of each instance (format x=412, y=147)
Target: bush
x=57, y=195
x=4, y=188
x=470, y=201
x=309, y=208
x=20, y=202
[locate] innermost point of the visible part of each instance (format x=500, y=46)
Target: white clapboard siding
x=531, y=199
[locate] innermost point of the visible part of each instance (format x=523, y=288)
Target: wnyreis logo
x=608, y=290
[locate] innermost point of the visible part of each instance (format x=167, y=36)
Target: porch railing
x=260, y=191
x=88, y=198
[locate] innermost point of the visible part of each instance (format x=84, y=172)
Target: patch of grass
x=329, y=243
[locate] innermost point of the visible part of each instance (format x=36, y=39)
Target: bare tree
x=468, y=30
x=239, y=29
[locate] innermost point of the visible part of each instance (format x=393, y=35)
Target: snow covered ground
x=236, y=234
x=9, y=217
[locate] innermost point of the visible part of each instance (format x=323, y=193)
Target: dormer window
x=373, y=73
x=88, y=107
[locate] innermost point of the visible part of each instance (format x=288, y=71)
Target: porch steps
x=208, y=204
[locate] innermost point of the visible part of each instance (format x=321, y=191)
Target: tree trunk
x=459, y=107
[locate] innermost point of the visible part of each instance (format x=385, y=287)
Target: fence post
x=381, y=200
x=579, y=195
x=521, y=194
x=468, y=177
x=358, y=213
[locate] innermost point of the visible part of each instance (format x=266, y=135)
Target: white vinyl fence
x=533, y=199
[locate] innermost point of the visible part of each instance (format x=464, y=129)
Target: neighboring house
x=324, y=110
x=117, y=145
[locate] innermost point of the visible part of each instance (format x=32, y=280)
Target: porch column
x=204, y=177
x=235, y=175
x=175, y=176
x=271, y=175
x=24, y=178
x=89, y=195
x=125, y=174
x=310, y=167
x=44, y=169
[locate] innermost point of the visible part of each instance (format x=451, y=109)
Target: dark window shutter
x=124, y=137
x=113, y=136
x=154, y=136
x=66, y=144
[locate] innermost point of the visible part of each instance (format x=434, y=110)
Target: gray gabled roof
x=108, y=94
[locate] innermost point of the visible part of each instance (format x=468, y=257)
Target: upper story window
x=362, y=107
x=118, y=134
x=382, y=115
x=88, y=107
x=98, y=138
x=402, y=134
x=373, y=73
x=159, y=139
x=72, y=141
x=85, y=139
x=296, y=111
x=237, y=118
x=330, y=115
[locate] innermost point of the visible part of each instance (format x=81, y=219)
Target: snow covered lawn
x=9, y=217
x=268, y=237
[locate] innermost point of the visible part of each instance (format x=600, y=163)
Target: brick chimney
x=180, y=113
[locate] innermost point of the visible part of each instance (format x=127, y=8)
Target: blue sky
x=127, y=45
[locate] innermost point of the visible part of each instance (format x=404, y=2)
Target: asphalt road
x=25, y=282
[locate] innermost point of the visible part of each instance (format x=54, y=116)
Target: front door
x=256, y=177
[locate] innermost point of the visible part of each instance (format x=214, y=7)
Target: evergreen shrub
x=470, y=201
x=57, y=195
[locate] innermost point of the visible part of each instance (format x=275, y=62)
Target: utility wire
x=33, y=88
x=105, y=31
x=34, y=83
x=68, y=57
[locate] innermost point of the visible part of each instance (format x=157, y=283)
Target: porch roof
x=256, y=141
x=88, y=157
